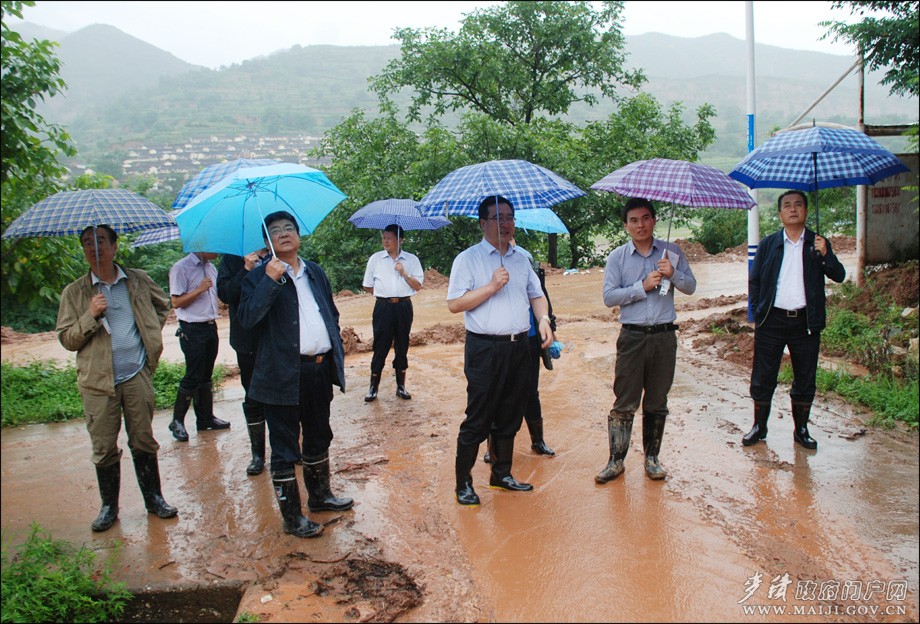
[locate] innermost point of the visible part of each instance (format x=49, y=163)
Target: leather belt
x=790, y=313
x=393, y=299
x=198, y=322
x=499, y=338
x=315, y=359
x=651, y=329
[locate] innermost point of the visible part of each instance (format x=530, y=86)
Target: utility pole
x=753, y=217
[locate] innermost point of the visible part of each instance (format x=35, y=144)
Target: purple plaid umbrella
x=677, y=182
x=817, y=157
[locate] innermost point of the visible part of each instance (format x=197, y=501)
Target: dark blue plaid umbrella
x=70, y=212
x=817, y=157
x=525, y=184
x=212, y=174
x=402, y=212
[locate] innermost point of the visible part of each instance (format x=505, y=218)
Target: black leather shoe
x=178, y=431
x=467, y=495
x=540, y=448
x=509, y=483
x=214, y=423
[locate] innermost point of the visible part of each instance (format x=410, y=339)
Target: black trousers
x=247, y=363
x=310, y=416
x=534, y=411
x=199, y=343
x=392, y=323
x=497, y=388
x=770, y=339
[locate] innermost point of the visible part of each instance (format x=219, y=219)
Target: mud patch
x=374, y=590
x=212, y=603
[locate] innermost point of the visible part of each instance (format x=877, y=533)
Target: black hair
x=113, y=235
x=636, y=202
x=779, y=202
x=278, y=216
x=395, y=229
x=493, y=200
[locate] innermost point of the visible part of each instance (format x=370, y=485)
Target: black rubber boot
x=619, y=432
x=401, y=391
x=148, y=478
x=109, y=478
x=287, y=493
x=800, y=415
x=502, y=452
x=652, y=433
x=372, y=391
x=463, y=466
x=204, y=410
x=536, y=439
x=180, y=409
x=255, y=424
x=316, y=477
x=759, y=431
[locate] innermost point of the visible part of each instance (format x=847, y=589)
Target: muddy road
x=719, y=540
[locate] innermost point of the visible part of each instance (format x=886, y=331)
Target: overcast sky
x=222, y=33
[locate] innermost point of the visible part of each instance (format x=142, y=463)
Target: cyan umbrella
x=228, y=217
x=402, y=212
x=204, y=179
x=817, y=157
x=525, y=184
x=538, y=220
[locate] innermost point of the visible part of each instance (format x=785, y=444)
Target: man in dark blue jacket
x=786, y=289
x=287, y=301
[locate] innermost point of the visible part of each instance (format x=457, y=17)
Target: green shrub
x=42, y=392
x=718, y=230
x=51, y=580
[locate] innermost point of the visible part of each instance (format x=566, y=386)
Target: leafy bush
x=51, y=580
x=42, y=392
x=718, y=230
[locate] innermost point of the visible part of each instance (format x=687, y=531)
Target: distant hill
x=122, y=89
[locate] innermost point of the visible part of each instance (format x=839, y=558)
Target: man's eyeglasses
x=278, y=231
x=502, y=217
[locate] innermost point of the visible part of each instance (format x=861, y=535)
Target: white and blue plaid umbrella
x=525, y=184
x=817, y=157
x=212, y=174
x=402, y=212
x=676, y=182
x=70, y=212
x=538, y=220
x=228, y=217
x=158, y=235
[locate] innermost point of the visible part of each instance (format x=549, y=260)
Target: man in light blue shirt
x=495, y=287
x=640, y=277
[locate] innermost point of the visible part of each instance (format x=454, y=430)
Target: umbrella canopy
x=228, y=217
x=817, y=157
x=212, y=174
x=70, y=212
x=402, y=212
x=525, y=184
x=537, y=219
x=158, y=235
x=677, y=182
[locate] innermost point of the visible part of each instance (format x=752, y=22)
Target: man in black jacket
x=287, y=301
x=786, y=288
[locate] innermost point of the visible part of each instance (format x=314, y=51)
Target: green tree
x=888, y=39
x=513, y=61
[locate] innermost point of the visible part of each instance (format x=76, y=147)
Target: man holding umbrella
x=786, y=290
x=113, y=318
x=288, y=304
x=495, y=287
x=393, y=276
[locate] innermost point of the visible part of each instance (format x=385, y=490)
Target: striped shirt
x=128, y=353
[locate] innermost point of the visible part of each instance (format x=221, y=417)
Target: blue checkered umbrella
x=70, y=212
x=158, y=235
x=212, y=174
x=402, y=212
x=817, y=157
x=525, y=184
